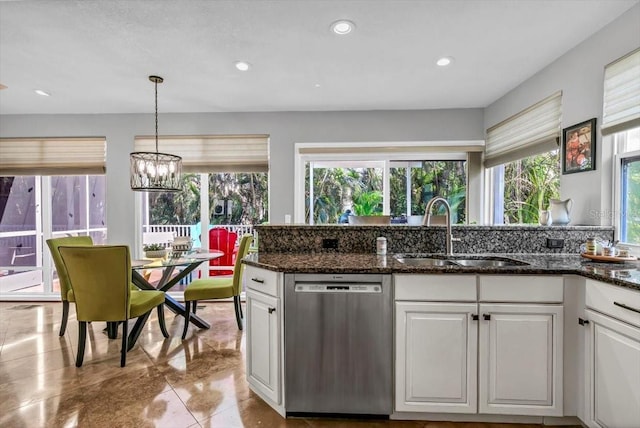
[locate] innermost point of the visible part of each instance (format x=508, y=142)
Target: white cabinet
x=436, y=357
x=520, y=354
x=264, y=335
x=458, y=355
x=613, y=356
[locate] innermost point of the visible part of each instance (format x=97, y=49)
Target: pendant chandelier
x=155, y=171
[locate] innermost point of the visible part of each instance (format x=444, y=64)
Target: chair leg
x=240, y=306
x=163, y=327
x=137, y=329
x=65, y=317
x=236, y=304
x=82, y=338
x=125, y=343
x=112, y=329
x=194, y=306
x=187, y=316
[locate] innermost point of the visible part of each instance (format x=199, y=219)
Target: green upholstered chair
x=218, y=288
x=100, y=277
x=66, y=294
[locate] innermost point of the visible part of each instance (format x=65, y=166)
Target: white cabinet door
x=436, y=357
x=614, y=363
x=520, y=354
x=263, y=344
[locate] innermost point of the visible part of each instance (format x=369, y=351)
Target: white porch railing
x=185, y=230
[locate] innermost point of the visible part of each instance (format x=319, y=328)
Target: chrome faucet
x=426, y=221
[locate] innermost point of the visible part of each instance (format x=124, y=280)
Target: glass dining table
x=181, y=266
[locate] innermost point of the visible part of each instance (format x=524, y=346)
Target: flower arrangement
x=154, y=251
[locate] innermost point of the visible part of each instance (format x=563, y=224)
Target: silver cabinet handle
x=258, y=280
x=629, y=308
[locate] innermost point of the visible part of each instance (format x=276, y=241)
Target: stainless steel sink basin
x=424, y=261
x=411, y=260
x=487, y=262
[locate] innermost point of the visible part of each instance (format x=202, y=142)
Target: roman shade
x=213, y=153
x=533, y=131
x=621, y=107
x=52, y=156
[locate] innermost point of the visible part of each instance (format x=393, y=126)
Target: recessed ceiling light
x=242, y=65
x=43, y=93
x=444, y=61
x=342, y=27
x=317, y=85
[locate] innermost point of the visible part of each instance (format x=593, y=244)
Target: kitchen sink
x=425, y=261
x=412, y=260
x=488, y=262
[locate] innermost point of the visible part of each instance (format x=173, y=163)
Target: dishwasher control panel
x=306, y=287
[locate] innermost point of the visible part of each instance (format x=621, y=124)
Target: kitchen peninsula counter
x=621, y=274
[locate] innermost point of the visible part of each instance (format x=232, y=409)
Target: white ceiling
x=95, y=56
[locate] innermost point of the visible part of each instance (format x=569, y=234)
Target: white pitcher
x=544, y=217
x=560, y=211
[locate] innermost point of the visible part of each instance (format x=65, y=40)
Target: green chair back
x=245, y=243
x=99, y=277
x=69, y=241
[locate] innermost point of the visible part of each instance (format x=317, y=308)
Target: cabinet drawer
x=618, y=302
x=262, y=280
x=521, y=288
x=459, y=288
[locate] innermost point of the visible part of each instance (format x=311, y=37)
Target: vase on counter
x=560, y=211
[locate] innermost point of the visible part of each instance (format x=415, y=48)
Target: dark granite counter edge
x=393, y=266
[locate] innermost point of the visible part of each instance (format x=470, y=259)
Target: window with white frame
x=395, y=179
x=49, y=188
x=627, y=186
x=523, y=164
x=621, y=124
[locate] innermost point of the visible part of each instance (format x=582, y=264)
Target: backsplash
x=423, y=239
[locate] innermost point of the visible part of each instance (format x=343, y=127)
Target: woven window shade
x=52, y=156
x=216, y=153
x=533, y=131
x=621, y=107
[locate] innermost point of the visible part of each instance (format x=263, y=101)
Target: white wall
x=579, y=74
x=285, y=129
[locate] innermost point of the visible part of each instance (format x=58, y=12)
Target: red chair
x=222, y=240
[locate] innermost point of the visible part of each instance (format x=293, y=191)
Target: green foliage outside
x=528, y=185
x=632, y=208
x=360, y=189
x=248, y=191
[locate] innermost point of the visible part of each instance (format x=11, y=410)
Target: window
x=360, y=187
x=407, y=174
x=36, y=208
x=524, y=187
x=49, y=187
x=627, y=186
x=523, y=162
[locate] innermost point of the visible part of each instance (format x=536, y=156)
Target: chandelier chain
x=156, y=86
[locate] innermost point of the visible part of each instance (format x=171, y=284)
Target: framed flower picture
x=579, y=147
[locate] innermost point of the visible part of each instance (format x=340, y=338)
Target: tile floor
x=199, y=382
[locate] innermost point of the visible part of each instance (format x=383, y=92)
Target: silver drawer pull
x=629, y=308
x=258, y=280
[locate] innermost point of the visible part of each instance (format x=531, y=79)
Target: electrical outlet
x=330, y=243
x=555, y=243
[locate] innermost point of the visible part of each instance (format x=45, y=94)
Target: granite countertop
x=622, y=274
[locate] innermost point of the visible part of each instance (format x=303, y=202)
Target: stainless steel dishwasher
x=338, y=344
